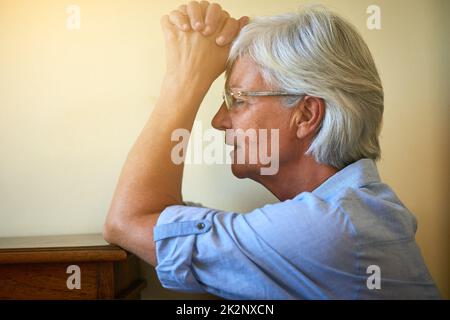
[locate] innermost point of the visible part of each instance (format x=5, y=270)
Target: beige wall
x=72, y=103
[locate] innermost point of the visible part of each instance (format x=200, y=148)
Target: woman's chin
x=242, y=171
x=239, y=170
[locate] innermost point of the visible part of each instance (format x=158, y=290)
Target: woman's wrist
x=186, y=85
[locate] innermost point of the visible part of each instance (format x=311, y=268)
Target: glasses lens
x=228, y=97
x=224, y=98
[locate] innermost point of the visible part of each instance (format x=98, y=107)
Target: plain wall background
x=73, y=102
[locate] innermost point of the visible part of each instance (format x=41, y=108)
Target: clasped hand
x=198, y=39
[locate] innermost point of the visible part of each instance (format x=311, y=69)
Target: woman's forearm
x=150, y=181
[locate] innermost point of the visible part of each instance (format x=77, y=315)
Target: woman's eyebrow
x=234, y=86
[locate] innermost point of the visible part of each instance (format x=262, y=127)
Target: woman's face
x=252, y=114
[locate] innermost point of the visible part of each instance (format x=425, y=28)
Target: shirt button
x=200, y=226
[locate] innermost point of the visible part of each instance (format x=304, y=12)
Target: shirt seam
x=354, y=233
x=386, y=242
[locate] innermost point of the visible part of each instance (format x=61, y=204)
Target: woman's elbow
x=112, y=230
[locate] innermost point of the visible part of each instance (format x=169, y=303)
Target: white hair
x=318, y=53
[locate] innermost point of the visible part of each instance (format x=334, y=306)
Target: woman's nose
x=221, y=120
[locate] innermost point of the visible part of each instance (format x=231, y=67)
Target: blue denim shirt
x=351, y=238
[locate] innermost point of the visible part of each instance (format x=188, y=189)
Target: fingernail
x=207, y=31
x=221, y=40
x=198, y=26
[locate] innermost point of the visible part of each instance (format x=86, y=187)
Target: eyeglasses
x=232, y=98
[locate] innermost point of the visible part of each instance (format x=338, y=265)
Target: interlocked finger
x=194, y=11
x=180, y=20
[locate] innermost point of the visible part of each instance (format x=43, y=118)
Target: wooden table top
x=64, y=248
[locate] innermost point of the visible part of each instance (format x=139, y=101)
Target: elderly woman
x=338, y=232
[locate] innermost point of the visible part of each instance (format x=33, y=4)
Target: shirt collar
x=356, y=175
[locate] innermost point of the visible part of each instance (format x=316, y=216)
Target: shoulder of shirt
x=193, y=204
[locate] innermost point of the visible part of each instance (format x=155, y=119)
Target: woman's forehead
x=244, y=74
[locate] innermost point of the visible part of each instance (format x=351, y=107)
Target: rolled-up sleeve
x=175, y=235
x=201, y=249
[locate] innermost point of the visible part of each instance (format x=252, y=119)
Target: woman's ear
x=308, y=116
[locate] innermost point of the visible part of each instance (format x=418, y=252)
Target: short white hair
x=316, y=52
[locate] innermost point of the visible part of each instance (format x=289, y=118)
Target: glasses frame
x=229, y=95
